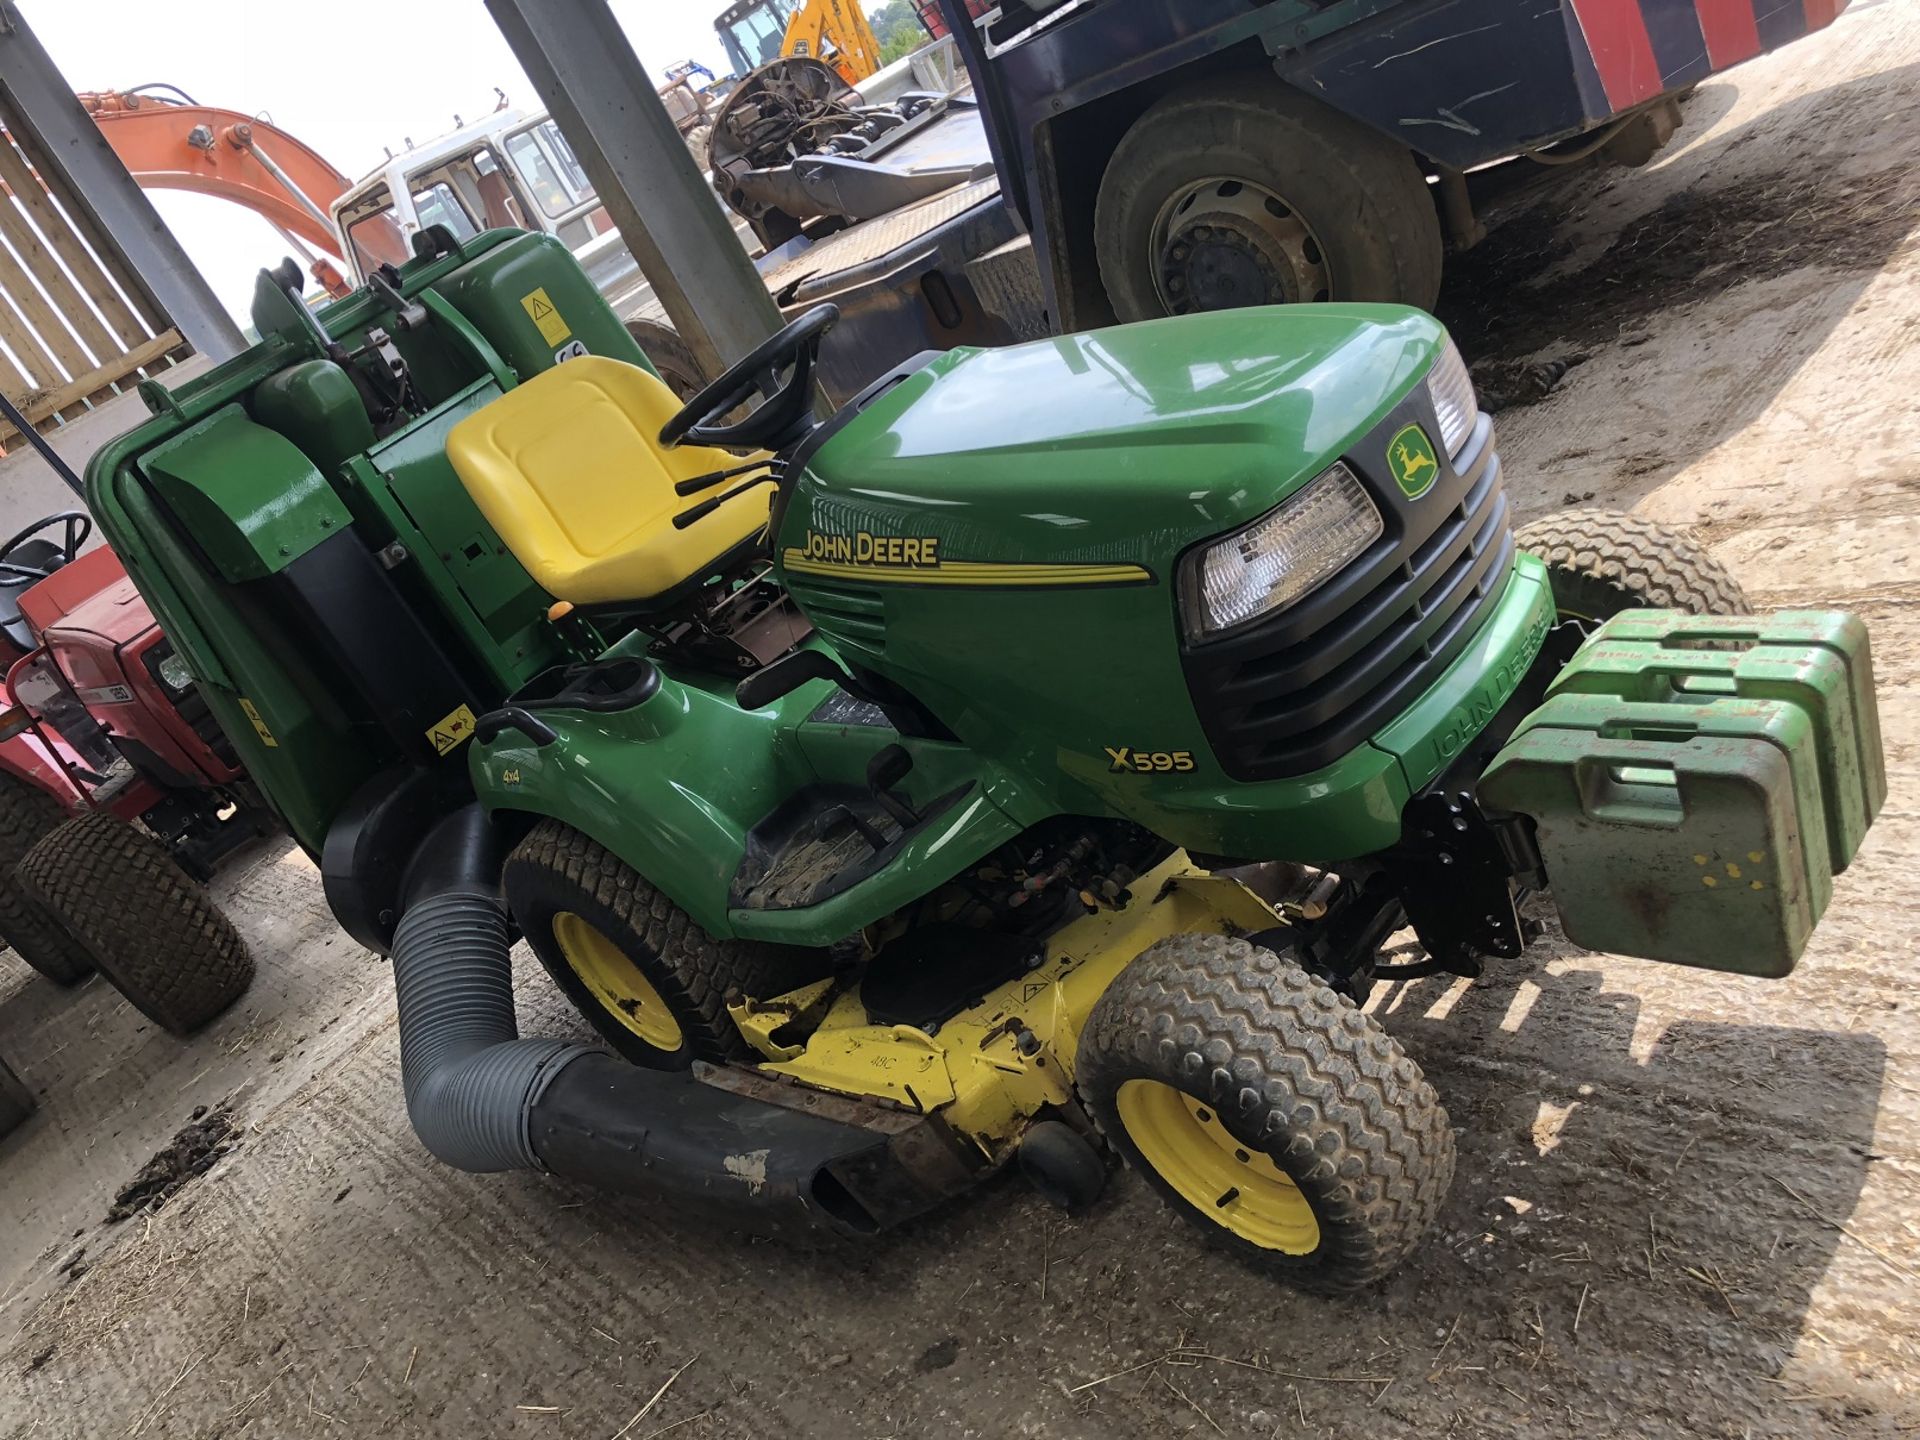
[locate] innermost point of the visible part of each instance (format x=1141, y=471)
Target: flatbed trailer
x=952, y=269
x=1158, y=156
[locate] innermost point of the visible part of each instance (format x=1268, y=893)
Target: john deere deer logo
x=1415, y=467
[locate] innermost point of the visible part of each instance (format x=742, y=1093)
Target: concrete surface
x=1686, y=1205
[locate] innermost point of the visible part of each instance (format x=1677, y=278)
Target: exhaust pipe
x=483, y=1099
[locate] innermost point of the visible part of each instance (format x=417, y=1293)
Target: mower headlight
x=1281, y=556
x=1451, y=390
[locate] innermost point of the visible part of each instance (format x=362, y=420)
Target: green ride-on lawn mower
x=1036, y=755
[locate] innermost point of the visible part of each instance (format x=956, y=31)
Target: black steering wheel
x=785, y=412
x=79, y=526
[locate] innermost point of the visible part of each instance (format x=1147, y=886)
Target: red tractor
x=101, y=725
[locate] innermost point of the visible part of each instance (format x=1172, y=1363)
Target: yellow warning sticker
x=452, y=731
x=541, y=310
x=259, y=725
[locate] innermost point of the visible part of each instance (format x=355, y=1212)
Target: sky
x=348, y=77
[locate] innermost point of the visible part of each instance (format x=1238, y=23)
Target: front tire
x=650, y=980
x=1267, y=1110
x=1243, y=191
x=1604, y=561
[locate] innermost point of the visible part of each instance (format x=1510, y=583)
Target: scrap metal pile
x=794, y=143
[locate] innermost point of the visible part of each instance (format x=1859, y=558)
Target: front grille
x=1297, y=692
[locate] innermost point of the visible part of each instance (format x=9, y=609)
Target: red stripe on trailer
x=1822, y=12
x=1732, y=35
x=1616, y=35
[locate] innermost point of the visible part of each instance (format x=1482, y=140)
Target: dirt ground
x=1686, y=1205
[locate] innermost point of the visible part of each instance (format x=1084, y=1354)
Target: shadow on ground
x=1665, y=1215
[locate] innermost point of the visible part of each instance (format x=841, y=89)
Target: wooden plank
x=64, y=294
x=39, y=405
x=41, y=372
x=103, y=247
x=59, y=342
x=13, y=379
x=53, y=223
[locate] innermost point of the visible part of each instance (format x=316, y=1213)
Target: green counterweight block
x=1818, y=660
x=1686, y=831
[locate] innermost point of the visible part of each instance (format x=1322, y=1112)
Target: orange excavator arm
x=169, y=145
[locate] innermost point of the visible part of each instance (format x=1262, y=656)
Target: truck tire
x=1602, y=562
x=150, y=930
x=650, y=980
x=26, y=814
x=671, y=356
x=1245, y=192
x=1267, y=1110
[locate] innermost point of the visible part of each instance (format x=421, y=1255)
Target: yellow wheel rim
x=616, y=982
x=1238, y=1188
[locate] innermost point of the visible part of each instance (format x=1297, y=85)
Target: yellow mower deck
x=973, y=1071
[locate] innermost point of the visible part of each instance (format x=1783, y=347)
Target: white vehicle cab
x=512, y=168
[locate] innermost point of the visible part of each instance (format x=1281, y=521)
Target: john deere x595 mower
x=1032, y=760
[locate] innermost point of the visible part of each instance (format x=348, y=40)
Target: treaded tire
x=1603, y=561
x=1293, y=1072
x=28, y=813
x=148, y=928
x=670, y=355
x=674, y=359
x=558, y=870
x=1361, y=194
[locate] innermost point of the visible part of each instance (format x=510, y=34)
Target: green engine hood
x=1116, y=445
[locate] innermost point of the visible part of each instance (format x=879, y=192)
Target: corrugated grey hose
x=470, y=1080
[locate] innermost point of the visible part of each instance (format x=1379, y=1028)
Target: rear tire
x=27, y=814
x=1603, y=561
x=1372, y=230
x=650, y=980
x=155, y=934
x=1267, y=1110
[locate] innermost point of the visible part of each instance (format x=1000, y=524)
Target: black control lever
x=788, y=674
x=407, y=314
x=707, y=507
x=886, y=770
x=695, y=484
x=511, y=717
x=287, y=276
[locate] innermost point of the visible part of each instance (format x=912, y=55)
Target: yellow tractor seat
x=567, y=468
